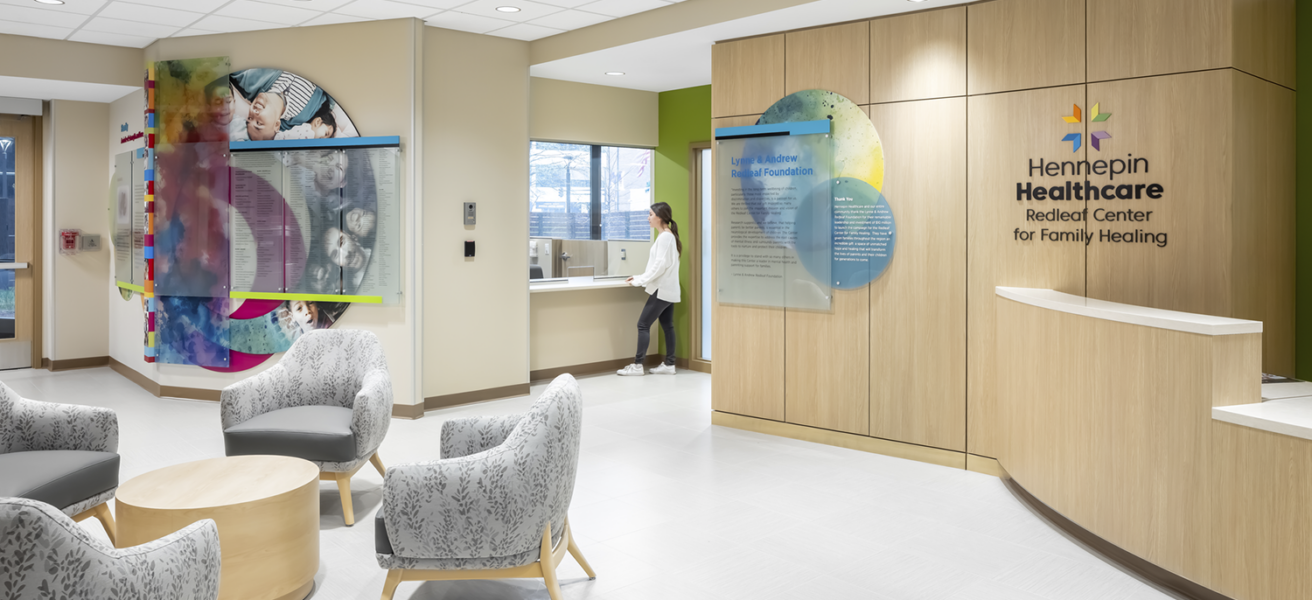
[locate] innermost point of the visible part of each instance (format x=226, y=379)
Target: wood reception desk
x=1105, y=412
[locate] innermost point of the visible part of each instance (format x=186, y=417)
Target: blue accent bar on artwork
x=150, y=174
x=150, y=251
x=150, y=120
x=801, y=128
x=150, y=305
x=356, y=142
x=141, y=153
x=150, y=351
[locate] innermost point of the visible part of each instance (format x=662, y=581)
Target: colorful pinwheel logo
x=1095, y=138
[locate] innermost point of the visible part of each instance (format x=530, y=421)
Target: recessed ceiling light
x=507, y=9
x=51, y=1
x=614, y=72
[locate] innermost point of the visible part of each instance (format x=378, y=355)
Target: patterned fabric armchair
x=328, y=401
x=61, y=454
x=495, y=506
x=44, y=554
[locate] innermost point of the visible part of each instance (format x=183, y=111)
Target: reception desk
x=1144, y=428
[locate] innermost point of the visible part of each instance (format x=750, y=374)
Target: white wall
x=565, y=111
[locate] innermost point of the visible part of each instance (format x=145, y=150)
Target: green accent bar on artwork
x=307, y=297
x=128, y=286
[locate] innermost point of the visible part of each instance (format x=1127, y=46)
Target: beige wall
x=564, y=111
x=476, y=127
x=124, y=329
x=577, y=328
x=79, y=306
x=70, y=61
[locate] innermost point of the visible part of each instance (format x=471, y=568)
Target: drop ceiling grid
x=138, y=23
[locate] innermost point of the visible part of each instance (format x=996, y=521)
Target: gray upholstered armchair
x=494, y=506
x=44, y=554
x=328, y=401
x=62, y=454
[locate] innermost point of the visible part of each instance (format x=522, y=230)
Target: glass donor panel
x=773, y=215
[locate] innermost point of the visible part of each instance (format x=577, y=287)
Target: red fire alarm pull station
x=68, y=240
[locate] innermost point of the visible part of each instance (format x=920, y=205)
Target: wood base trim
x=610, y=366
x=76, y=363
x=407, y=411
x=1150, y=573
x=162, y=391
x=509, y=391
x=985, y=465
x=926, y=454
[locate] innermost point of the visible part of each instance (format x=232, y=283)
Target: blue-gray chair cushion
x=60, y=478
x=382, y=545
x=316, y=433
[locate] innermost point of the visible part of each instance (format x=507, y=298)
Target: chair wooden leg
x=578, y=556
x=106, y=519
x=549, y=565
x=378, y=464
x=344, y=487
x=393, y=580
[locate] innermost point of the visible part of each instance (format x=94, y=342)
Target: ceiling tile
x=570, y=19
x=189, y=32
x=122, y=27
x=622, y=8
x=223, y=24
x=272, y=13
x=333, y=19
x=111, y=39
x=53, y=18
x=77, y=7
x=566, y=3
x=200, y=6
x=315, y=5
x=464, y=22
x=31, y=30
x=443, y=4
x=149, y=14
x=528, y=10
x=385, y=9
x=526, y=32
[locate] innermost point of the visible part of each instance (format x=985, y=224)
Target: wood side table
x=266, y=509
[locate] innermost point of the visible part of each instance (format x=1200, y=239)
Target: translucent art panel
x=774, y=221
x=120, y=202
x=258, y=213
x=192, y=331
x=371, y=223
x=139, y=163
x=192, y=220
x=193, y=101
x=314, y=254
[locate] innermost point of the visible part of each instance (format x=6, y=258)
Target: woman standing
x=661, y=281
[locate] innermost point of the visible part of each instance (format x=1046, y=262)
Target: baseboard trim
x=874, y=445
x=985, y=465
x=162, y=391
x=407, y=411
x=448, y=400
x=606, y=366
x=75, y=363
x=1150, y=573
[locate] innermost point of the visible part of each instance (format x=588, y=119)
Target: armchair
x=328, y=401
x=495, y=506
x=44, y=554
x=62, y=454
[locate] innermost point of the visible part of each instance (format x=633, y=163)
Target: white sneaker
x=633, y=369
x=663, y=369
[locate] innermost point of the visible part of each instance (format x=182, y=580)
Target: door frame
x=695, y=200
x=37, y=240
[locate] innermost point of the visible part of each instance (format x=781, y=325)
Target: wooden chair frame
x=344, y=485
x=545, y=568
x=106, y=518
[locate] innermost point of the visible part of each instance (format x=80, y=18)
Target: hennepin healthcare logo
x=1095, y=138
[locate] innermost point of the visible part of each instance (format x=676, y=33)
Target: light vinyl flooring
x=668, y=506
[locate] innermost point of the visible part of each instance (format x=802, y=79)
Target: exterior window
x=581, y=192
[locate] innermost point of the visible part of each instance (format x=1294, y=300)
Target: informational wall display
x=773, y=217
x=120, y=218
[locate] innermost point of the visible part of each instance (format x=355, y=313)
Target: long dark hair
x=662, y=211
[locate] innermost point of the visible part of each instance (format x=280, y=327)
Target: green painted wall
x=685, y=117
x=1303, y=203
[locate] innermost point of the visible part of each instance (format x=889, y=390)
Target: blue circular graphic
x=862, y=231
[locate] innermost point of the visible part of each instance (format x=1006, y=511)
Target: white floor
x=668, y=507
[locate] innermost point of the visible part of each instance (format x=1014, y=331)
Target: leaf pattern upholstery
x=325, y=367
x=485, y=503
x=44, y=554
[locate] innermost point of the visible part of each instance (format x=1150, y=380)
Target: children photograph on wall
x=272, y=104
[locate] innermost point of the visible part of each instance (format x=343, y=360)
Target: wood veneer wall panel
x=1024, y=44
x=918, y=56
x=1134, y=38
x=749, y=343
x=1265, y=39
x=1006, y=132
x=835, y=58
x=1181, y=124
x=918, y=306
x=1263, y=206
x=1262, y=528
x=828, y=364
x=747, y=76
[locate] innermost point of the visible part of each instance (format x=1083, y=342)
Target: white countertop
x=1290, y=416
x=1129, y=313
x=577, y=284
x=1286, y=389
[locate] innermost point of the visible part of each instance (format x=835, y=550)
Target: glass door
x=703, y=260
x=18, y=233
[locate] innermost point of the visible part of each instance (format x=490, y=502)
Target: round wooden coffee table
x=266, y=509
